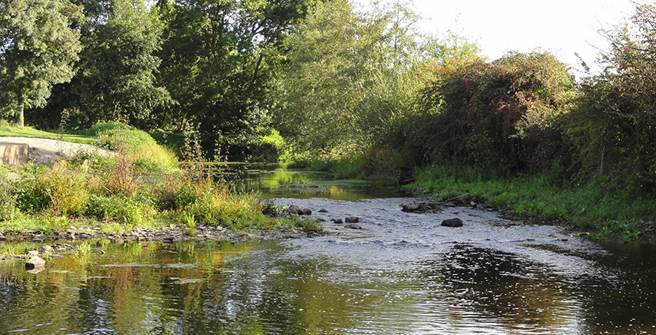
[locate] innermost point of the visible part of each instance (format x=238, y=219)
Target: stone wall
x=14, y=153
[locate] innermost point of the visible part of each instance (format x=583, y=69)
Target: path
x=47, y=151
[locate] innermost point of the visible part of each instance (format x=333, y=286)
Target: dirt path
x=46, y=151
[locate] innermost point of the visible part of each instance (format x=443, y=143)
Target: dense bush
x=613, y=126
x=120, y=209
x=7, y=197
x=499, y=114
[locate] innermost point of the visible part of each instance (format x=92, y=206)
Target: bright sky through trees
x=564, y=27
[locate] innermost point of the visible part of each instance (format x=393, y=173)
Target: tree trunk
x=20, y=113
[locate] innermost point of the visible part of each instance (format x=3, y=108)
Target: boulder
x=323, y=210
x=422, y=207
x=35, y=262
x=46, y=250
x=352, y=219
x=337, y=221
x=452, y=223
x=270, y=209
x=297, y=210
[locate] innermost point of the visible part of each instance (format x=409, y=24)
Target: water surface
x=402, y=274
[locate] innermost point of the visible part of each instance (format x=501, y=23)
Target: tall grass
x=136, y=145
x=592, y=205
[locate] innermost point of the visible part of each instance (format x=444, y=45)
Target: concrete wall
x=14, y=153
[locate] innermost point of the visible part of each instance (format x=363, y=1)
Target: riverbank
x=607, y=213
x=141, y=192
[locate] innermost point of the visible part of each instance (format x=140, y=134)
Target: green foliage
x=497, y=114
x=118, y=67
x=7, y=197
x=137, y=145
x=218, y=61
x=613, y=125
x=120, y=209
x=348, y=79
x=31, y=191
x=38, y=47
x=592, y=205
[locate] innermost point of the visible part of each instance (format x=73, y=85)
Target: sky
x=563, y=27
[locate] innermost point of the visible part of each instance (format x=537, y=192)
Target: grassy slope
x=142, y=188
x=11, y=131
x=610, y=213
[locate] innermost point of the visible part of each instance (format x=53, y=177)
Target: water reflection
x=402, y=274
x=275, y=182
x=256, y=288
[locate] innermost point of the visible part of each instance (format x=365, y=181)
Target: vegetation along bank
x=141, y=193
x=317, y=84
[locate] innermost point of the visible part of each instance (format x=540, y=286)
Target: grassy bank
x=142, y=187
x=610, y=213
x=7, y=130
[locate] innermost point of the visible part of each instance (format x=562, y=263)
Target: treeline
x=358, y=96
x=318, y=81
x=190, y=66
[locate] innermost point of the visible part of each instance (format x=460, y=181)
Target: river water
x=401, y=274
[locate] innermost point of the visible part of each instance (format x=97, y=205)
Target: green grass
x=608, y=211
x=135, y=144
x=7, y=130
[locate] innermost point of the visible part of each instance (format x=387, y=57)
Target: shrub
x=66, y=190
x=31, y=191
x=119, y=209
x=120, y=178
x=137, y=145
x=613, y=125
x=7, y=198
x=494, y=114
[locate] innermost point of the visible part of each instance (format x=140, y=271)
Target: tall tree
x=39, y=44
x=218, y=58
x=118, y=68
x=347, y=76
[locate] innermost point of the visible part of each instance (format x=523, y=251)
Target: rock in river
x=35, y=262
x=352, y=219
x=422, y=207
x=353, y=226
x=452, y=223
x=293, y=209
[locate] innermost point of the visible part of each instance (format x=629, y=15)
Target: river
x=401, y=274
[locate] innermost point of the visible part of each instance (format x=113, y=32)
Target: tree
x=39, y=44
x=349, y=77
x=218, y=60
x=118, y=68
x=614, y=124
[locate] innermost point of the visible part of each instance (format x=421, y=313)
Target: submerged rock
x=353, y=226
x=338, y=221
x=452, y=223
x=422, y=207
x=323, y=210
x=352, y=219
x=35, y=262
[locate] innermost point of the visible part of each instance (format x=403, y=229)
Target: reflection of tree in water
x=624, y=303
x=498, y=285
